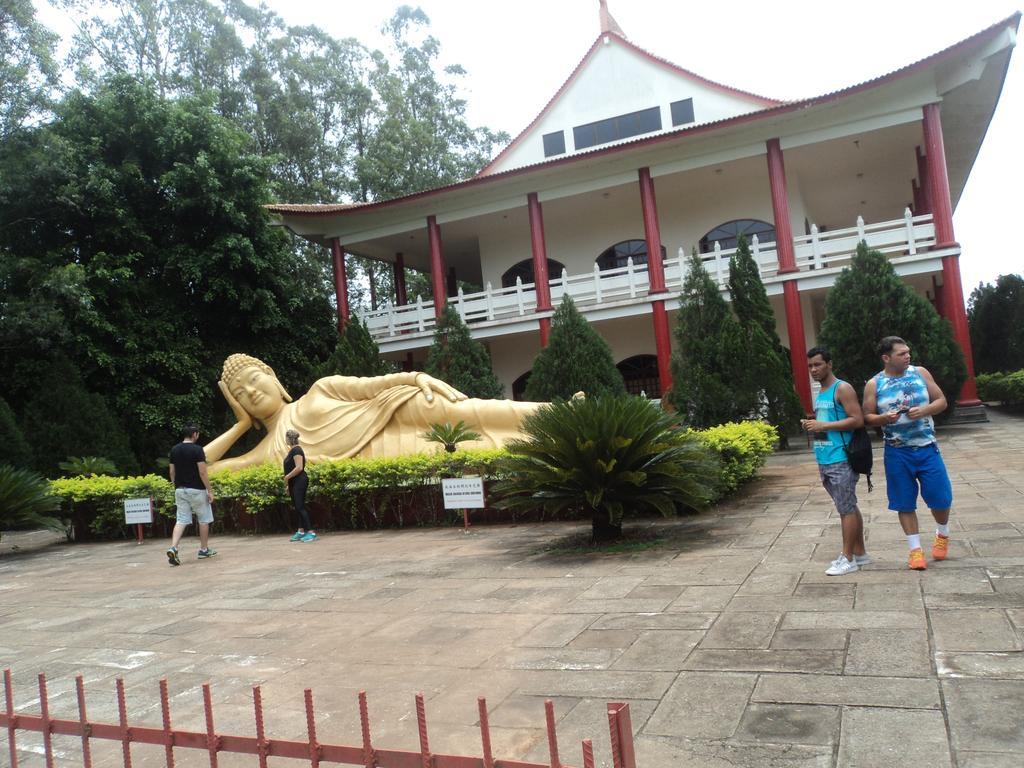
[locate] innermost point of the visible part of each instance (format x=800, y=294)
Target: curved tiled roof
x=779, y=108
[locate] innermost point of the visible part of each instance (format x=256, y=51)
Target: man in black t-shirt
x=192, y=493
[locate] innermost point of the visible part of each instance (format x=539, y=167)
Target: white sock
x=942, y=530
x=914, y=540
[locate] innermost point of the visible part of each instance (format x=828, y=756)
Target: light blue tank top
x=901, y=393
x=828, y=446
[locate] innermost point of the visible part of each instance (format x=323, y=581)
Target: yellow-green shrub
x=98, y=501
x=743, y=447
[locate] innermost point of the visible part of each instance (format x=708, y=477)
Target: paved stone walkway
x=729, y=642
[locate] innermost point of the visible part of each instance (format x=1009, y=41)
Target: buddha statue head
x=255, y=386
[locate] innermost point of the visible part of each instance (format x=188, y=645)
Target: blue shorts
x=908, y=467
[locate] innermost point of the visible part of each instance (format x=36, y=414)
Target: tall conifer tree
x=707, y=375
x=869, y=302
x=576, y=359
x=356, y=353
x=458, y=359
x=766, y=361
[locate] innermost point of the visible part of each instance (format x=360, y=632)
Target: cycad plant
x=606, y=456
x=26, y=501
x=450, y=436
x=87, y=466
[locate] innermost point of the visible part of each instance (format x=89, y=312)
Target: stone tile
x=702, y=599
x=768, y=583
x=518, y=711
x=783, y=604
x=998, y=665
x=660, y=650
x=987, y=760
x=605, y=638
x=556, y=631
x=810, y=639
x=991, y=600
x=882, y=652
x=959, y=581
x=741, y=630
x=767, y=660
x=853, y=620
x=877, y=737
x=789, y=724
x=702, y=705
x=655, y=621
x=646, y=592
x=897, y=596
x=692, y=753
x=848, y=691
x=973, y=630
x=586, y=720
x=611, y=685
x=985, y=715
x=612, y=586
x=554, y=658
x=825, y=591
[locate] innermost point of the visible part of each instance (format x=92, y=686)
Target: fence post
x=621, y=728
x=860, y=229
x=489, y=293
x=165, y=712
x=83, y=721
x=485, y=732
x=519, y=295
x=261, y=733
x=718, y=263
x=632, y=277
x=419, y=314
x=908, y=219
x=816, y=246
x=314, y=747
x=12, y=719
x=44, y=710
x=682, y=266
x=369, y=758
x=460, y=304
x=212, y=741
x=597, y=283
x=549, y=715
x=755, y=247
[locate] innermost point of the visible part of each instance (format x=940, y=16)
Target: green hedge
x=1007, y=388
x=354, y=493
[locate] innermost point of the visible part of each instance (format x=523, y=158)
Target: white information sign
x=463, y=492
x=138, y=511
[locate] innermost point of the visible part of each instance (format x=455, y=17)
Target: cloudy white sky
x=518, y=52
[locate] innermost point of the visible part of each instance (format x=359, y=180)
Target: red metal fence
x=312, y=749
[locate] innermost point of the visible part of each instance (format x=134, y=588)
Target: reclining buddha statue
x=347, y=416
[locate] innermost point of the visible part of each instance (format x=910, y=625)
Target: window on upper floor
x=682, y=112
x=620, y=253
x=524, y=271
x=618, y=127
x=554, y=143
x=640, y=373
x=727, y=234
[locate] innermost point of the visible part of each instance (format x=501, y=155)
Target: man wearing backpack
x=837, y=412
x=901, y=399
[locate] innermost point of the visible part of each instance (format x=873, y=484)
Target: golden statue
x=346, y=416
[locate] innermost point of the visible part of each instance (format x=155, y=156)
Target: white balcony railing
x=908, y=236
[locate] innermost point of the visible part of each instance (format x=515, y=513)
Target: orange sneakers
x=917, y=562
x=941, y=547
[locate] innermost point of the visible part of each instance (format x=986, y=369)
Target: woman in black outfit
x=297, y=481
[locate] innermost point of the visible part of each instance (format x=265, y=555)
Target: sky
x=517, y=53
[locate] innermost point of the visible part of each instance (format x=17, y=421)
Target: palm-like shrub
x=87, y=466
x=607, y=456
x=26, y=501
x=450, y=436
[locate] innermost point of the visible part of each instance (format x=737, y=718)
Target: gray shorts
x=193, y=501
x=841, y=483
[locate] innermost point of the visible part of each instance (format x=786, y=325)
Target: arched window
x=640, y=373
x=728, y=234
x=524, y=271
x=616, y=256
x=519, y=386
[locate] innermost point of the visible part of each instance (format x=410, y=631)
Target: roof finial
x=608, y=23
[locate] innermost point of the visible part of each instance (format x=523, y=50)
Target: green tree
x=869, y=302
x=356, y=353
x=576, y=359
x=27, y=71
x=458, y=359
x=26, y=501
x=995, y=314
x=708, y=376
x=14, y=449
x=767, y=369
x=140, y=221
x=606, y=456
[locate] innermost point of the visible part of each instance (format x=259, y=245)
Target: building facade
x=635, y=161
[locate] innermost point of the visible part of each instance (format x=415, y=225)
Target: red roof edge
x=982, y=36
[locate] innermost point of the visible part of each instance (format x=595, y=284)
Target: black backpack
x=858, y=451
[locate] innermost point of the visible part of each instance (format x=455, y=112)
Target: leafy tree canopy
x=995, y=314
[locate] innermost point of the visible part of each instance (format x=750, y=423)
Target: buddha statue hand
x=429, y=385
x=243, y=417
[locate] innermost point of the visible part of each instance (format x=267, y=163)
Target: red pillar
x=656, y=276
x=436, y=265
x=787, y=265
x=942, y=214
x=923, y=182
x=340, y=282
x=541, y=279
x=400, y=297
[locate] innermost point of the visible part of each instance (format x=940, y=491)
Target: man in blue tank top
x=837, y=413
x=901, y=399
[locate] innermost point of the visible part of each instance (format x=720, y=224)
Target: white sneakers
x=841, y=566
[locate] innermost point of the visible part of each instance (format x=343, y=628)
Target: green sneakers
x=172, y=556
x=204, y=553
